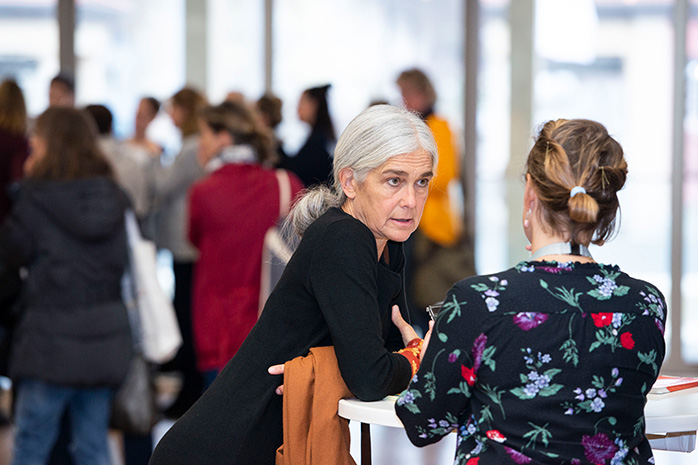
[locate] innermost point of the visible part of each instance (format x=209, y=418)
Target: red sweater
x=230, y=212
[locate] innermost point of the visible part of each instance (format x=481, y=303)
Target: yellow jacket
x=439, y=221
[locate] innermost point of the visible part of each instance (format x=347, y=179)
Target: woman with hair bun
x=551, y=360
x=230, y=211
x=343, y=287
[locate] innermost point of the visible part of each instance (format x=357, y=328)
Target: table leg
x=365, y=444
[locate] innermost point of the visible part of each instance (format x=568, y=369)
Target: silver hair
x=375, y=135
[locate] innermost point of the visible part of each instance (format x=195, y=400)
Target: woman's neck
x=542, y=239
x=380, y=243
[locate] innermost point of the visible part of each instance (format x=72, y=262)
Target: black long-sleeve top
x=334, y=291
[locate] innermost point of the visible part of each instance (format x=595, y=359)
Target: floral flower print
x=478, y=350
x=621, y=453
x=469, y=428
x=535, y=382
x=523, y=268
x=556, y=269
x=529, y=320
x=592, y=399
x=407, y=398
x=652, y=304
x=490, y=294
x=443, y=426
x=610, y=330
x=606, y=286
x=517, y=456
x=602, y=319
x=660, y=325
x=598, y=448
x=480, y=354
x=495, y=435
x=468, y=375
x=626, y=340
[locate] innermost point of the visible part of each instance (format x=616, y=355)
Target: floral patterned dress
x=544, y=363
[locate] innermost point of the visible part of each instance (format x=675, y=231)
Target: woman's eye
x=394, y=181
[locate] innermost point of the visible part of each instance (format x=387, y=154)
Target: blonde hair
x=191, y=101
x=578, y=152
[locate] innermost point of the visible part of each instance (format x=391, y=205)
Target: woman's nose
x=409, y=198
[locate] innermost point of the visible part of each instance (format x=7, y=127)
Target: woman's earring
x=527, y=223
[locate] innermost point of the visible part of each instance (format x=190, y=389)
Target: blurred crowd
x=66, y=181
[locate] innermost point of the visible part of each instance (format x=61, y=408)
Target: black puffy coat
x=70, y=237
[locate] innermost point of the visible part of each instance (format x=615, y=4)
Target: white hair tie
x=577, y=190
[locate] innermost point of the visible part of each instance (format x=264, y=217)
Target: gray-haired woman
x=342, y=287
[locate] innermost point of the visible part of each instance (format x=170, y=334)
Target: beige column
x=522, y=23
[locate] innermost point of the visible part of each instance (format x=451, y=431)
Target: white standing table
x=671, y=420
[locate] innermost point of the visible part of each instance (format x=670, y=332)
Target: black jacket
x=70, y=237
x=313, y=162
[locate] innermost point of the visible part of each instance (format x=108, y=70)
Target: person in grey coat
x=169, y=190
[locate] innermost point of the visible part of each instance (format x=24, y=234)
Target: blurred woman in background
x=169, y=190
x=231, y=210
x=313, y=162
x=14, y=146
x=73, y=342
x=440, y=252
x=268, y=108
x=148, y=109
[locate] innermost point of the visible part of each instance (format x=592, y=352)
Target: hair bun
x=582, y=207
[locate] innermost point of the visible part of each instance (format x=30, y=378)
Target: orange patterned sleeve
x=411, y=352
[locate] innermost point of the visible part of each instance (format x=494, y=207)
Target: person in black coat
x=73, y=342
x=313, y=162
x=342, y=287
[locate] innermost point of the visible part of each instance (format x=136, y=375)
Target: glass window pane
x=493, y=137
x=360, y=47
x=689, y=285
x=127, y=49
x=29, y=48
x=612, y=62
x=236, y=48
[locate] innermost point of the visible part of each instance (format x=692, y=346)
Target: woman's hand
x=408, y=333
x=277, y=370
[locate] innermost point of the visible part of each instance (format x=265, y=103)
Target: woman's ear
x=530, y=195
x=348, y=182
x=224, y=139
